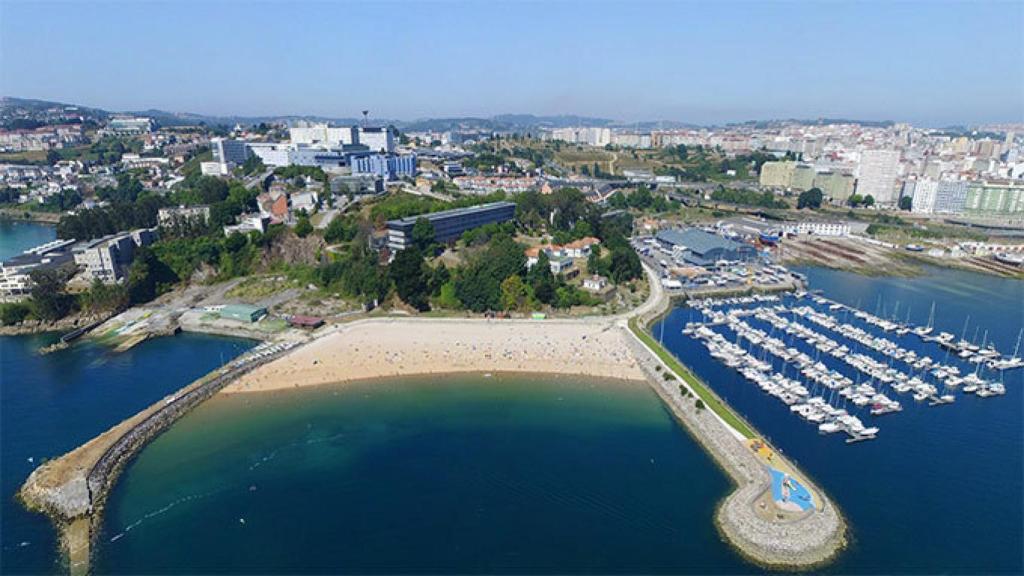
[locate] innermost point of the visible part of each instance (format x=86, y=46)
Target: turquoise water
x=443, y=474
x=17, y=236
x=942, y=488
x=52, y=404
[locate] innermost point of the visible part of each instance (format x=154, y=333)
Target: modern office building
x=322, y=134
x=877, y=176
x=107, y=259
x=389, y=167
x=15, y=279
x=702, y=248
x=377, y=139
x=227, y=151
x=450, y=224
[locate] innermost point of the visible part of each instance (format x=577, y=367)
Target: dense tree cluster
x=810, y=199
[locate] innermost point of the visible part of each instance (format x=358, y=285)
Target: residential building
x=802, y=178
x=170, y=217
x=834, y=185
x=248, y=223
x=128, y=126
x=924, y=196
x=877, y=175
x=213, y=169
x=950, y=197
x=777, y=174
x=822, y=228
x=450, y=224
x=993, y=198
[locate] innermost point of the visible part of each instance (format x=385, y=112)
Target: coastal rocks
x=68, y=500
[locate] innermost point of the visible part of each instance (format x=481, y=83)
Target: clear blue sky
x=931, y=63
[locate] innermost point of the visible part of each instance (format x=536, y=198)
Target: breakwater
x=72, y=489
x=748, y=518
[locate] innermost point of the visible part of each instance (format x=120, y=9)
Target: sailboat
x=923, y=331
x=1009, y=363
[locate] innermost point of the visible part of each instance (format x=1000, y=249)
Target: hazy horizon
x=706, y=64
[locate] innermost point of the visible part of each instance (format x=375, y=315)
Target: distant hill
x=11, y=107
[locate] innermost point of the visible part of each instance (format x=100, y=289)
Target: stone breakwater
x=800, y=541
x=74, y=487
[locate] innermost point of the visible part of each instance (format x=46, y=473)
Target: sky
x=929, y=63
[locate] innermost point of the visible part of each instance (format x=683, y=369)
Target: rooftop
x=452, y=213
x=697, y=240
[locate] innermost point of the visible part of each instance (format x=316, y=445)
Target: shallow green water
x=452, y=474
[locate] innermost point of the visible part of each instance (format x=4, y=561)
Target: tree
x=514, y=293
x=423, y=234
x=438, y=278
x=541, y=280
x=304, y=227
x=52, y=157
x=810, y=199
x=855, y=200
x=699, y=404
x=14, y=313
x=625, y=265
x=906, y=203
x=869, y=200
x=408, y=272
x=48, y=295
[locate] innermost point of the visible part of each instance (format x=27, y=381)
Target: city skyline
x=736, y=63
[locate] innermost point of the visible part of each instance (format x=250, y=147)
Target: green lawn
x=710, y=400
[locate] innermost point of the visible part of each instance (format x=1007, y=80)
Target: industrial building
x=701, y=248
x=450, y=224
x=242, y=312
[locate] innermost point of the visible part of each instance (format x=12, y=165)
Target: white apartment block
x=877, y=175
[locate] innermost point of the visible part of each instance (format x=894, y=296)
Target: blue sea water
x=17, y=236
x=51, y=404
x=942, y=488
x=440, y=474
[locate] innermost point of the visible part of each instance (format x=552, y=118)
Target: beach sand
x=401, y=347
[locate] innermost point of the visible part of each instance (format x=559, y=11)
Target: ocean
x=16, y=236
x=449, y=474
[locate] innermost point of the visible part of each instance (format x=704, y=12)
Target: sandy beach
x=400, y=347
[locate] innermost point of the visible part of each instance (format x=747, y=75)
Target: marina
x=837, y=366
